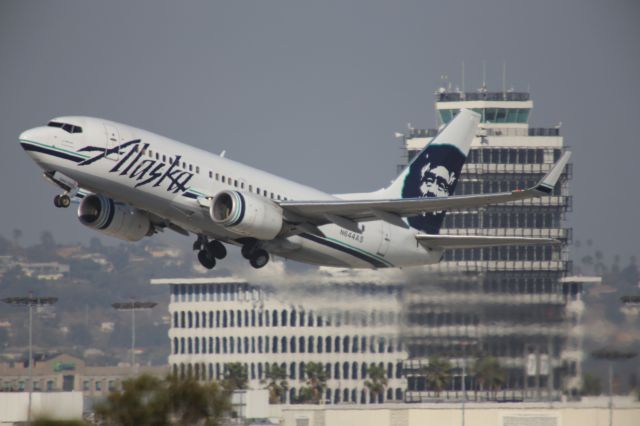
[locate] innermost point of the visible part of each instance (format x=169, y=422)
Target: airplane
x=131, y=183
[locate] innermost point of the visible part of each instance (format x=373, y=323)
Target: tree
x=147, y=400
x=235, y=376
x=316, y=382
x=278, y=384
x=193, y=403
x=437, y=373
x=140, y=402
x=489, y=374
x=377, y=382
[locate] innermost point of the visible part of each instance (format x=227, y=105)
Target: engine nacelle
x=247, y=214
x=117, y=220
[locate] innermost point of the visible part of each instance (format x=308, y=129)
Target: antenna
x=484, y=76
x=504, y=79
x=463, y=91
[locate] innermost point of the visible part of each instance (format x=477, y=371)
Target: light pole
x=133, y=306
x=612, y=355
x=30, y=301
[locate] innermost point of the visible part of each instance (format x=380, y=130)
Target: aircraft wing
x=347, y=213
x=477, y=241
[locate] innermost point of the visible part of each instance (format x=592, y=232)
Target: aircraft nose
x=26, y=135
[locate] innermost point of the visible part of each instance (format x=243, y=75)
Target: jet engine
x=247, y=214
x=117, y=220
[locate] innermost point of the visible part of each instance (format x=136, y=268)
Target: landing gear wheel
x=247, y=249
x=65, y=201
x=217, y=249
x=206, y=259
x=259, y=258
x=61, y=201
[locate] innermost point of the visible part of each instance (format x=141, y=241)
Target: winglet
x=548, y=182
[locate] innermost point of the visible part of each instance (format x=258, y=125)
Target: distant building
x=68, y=373
x=217, y=321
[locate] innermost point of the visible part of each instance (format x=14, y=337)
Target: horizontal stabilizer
x=477, y=241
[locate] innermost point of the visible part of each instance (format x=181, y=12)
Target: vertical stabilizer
x=435, y=171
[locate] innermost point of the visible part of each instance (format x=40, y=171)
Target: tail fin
x=435, y=171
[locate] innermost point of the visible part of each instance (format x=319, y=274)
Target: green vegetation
x=489, y=375
x=377, y=381
x=277, y=383
x=147, y=400
x=235, y=376
x=437, y=373
x=316, y=383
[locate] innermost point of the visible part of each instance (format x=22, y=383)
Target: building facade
x=504, y=302
x=67, y=373
x=344, y=325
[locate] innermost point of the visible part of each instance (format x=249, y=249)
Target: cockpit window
x=69, y=128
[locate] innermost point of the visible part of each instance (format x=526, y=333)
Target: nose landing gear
x=62, y=201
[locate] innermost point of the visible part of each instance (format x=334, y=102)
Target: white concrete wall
x=451, y=414
x=54, y=405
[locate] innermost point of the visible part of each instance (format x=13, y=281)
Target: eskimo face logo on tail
x=434, y=173
x=142, y=170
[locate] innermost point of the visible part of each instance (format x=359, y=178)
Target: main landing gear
x=209, y=251
x=62, y=201
x=257, y=257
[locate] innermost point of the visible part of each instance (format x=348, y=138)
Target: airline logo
x=434, y=173
x=143, y=170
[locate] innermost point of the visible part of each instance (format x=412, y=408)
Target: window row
x=215, y=293
x=507, y=155
x=227, y=180
x=512, y=253
x=530, y=219
x=274, y=344
x=295, y=370
x=277, y=318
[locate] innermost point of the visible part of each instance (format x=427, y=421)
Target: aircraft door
x=113, y=141
x=385, y=238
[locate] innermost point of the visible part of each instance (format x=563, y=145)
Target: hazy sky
x=314, y=91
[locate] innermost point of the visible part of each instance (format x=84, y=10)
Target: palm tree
x=437, y=373
x=316, y=381
x=489, y=374
x=235, y=376
x=278, y=384
x=377, y=382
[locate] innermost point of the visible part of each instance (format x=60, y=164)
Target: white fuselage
x=117, y=167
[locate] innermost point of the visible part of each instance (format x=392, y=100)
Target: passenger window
x=157, y=156
x=217, y=176
x=150, y=154
x=258, y=191
x=210, y=174
x=222, y=179
x=198, y=169
x=278, y=197
x=264, y=192
x=190, y=167
x=164, y=158
x=272, y=195
x=250, y=188
x=241, y=185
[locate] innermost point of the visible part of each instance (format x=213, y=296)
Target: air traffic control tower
x=504, y=302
